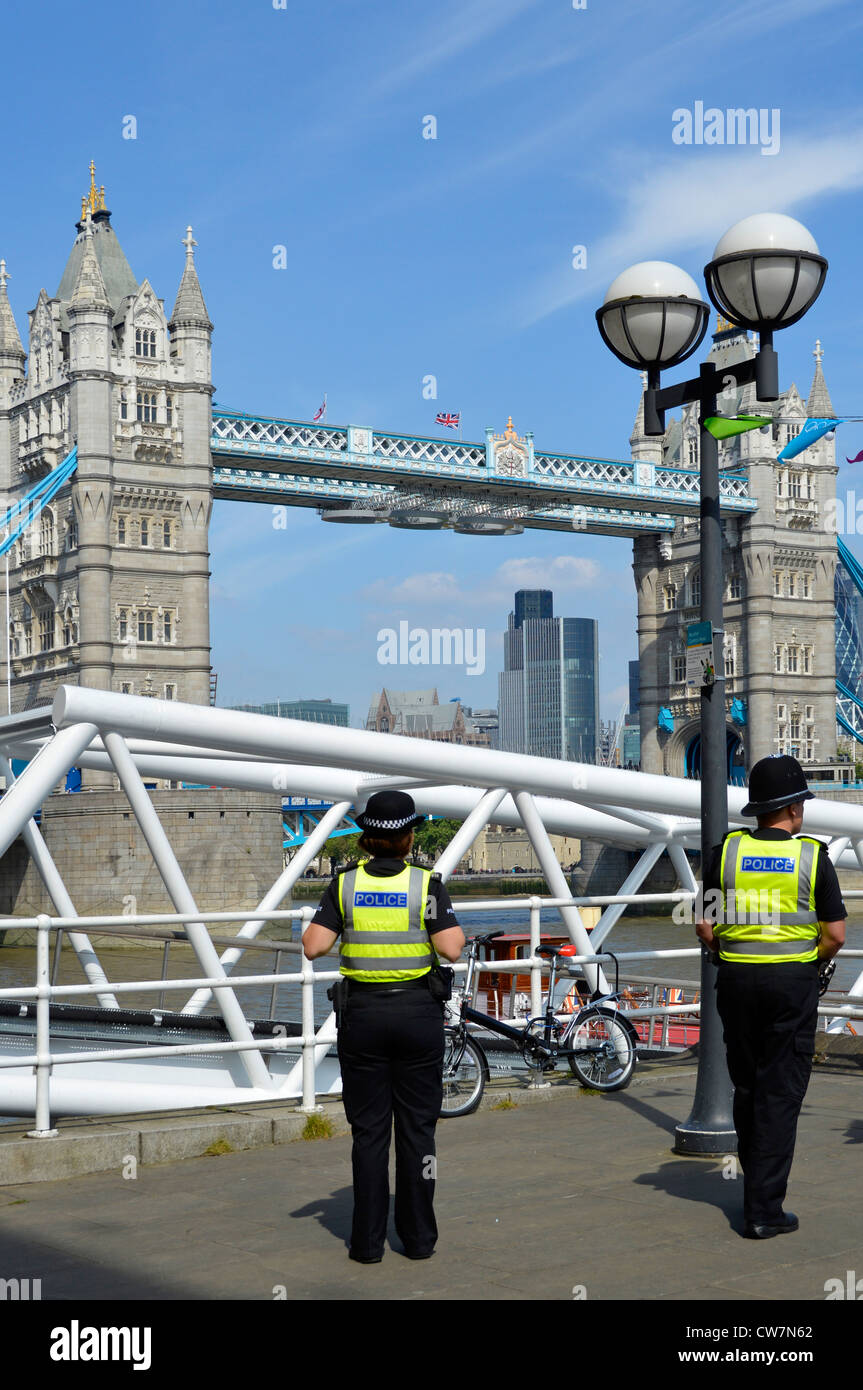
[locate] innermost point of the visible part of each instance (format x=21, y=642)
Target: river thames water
x=17, y=963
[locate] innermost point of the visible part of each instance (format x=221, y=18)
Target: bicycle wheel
x=603, y=1055
x=465, y=1072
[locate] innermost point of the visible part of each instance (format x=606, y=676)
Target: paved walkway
x=576, y=1190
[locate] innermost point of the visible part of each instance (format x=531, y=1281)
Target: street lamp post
x=765, y=274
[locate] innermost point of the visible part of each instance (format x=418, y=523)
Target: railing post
x=275, y=994
x=308, y=1017
x=42, y=1069
x=535, y=970
x=58, y=946
x=160, y=1003
x=536, y=1083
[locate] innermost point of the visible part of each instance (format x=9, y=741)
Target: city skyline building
x=549, y=688
x=325, y=711
x=631, y=737
x=420, y=714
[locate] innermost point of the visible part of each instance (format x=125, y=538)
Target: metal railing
x=312, y=1045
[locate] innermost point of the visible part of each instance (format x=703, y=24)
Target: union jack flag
x=322, y=412
x=451, y=421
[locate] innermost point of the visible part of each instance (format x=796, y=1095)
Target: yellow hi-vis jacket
x=768, y=893
x=384, y=937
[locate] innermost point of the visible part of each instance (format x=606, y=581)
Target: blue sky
x=302, y=126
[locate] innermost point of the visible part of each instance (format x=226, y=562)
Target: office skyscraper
x=549, y=688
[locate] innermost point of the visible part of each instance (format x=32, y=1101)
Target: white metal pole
x=535, y=970
x=562, y=817
x=43, y=1128
x=464, y=837
x=39, y=778
x=556, y=880
x=273, y=898
x=136, y=716
x=631, y=884
x=308, y=1017
x=50, y=876
x=181, y=897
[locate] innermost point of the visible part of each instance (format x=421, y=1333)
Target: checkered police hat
x=389, y=813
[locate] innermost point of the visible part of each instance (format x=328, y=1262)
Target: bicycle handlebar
x=484, y=940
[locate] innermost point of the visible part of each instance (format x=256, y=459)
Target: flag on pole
x=321, y=415
x=451, y=422
x=812, y=431
x=723, y=427
x=858, y=458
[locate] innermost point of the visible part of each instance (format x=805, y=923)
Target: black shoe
x=365, y=1259
x=757, y=1230
x=418, y=1255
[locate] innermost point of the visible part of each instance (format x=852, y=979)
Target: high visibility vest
x=768, y=891
x=384, y=937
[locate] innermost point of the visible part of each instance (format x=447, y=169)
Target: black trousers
x=768, y=1014
x=391, y=1054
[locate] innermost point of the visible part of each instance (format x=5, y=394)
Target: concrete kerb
x=97, y=1145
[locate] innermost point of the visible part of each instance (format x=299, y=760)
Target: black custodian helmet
x=389, y=813
x=775, y=782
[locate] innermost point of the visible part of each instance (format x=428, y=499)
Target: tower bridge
x=365, y=475
x=109, y=588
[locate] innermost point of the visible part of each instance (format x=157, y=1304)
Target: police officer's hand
x=704, y=932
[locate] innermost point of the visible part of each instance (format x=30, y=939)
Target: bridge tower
x=109, y=588
x=779, y=566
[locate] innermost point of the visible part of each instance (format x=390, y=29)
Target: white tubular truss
x=137, y=737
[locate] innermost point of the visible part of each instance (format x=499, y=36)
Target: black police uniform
x=769, y=1014
x=391, y=1045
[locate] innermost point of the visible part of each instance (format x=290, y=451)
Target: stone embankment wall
x=603, y=868
x=228, y=844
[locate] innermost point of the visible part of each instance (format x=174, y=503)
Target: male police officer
x=783, y=914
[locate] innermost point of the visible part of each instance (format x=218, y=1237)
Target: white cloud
x=559, y=573
x=466, y=25
x=674, y=207
x=447, y=593
x=433, y=587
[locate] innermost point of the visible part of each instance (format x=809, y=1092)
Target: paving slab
x=533, y=1203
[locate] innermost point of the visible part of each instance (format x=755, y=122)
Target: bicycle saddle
x=566, y=950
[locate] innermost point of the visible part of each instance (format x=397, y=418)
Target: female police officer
x=391, y=1031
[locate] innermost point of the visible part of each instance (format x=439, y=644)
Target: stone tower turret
x=109, y=585
x=89, y=317
x=779, y=605
x=191, y=337
x=12, y=359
